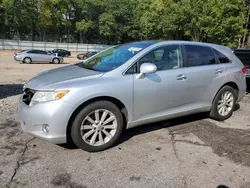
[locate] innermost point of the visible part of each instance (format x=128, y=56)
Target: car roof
x=151, y=42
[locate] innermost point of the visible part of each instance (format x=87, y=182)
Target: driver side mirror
x=146, y=68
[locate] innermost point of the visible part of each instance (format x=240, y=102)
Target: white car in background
x=37, y=56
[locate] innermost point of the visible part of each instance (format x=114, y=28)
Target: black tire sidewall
x=75, y=129
x=214, y=112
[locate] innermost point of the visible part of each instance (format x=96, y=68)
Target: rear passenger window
x=222, y=58
x=199, y=56
x=32, y=52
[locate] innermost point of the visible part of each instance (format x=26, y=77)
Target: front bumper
x=56, y=114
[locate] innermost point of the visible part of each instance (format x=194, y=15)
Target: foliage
x=218, y=21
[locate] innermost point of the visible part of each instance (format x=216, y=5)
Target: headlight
x=45, y=96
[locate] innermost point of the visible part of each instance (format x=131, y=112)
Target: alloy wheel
x=98, y=127
x=225, y=104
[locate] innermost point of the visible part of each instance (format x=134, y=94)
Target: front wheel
x=224, y=104
x=97, y=126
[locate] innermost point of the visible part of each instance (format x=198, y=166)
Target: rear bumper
x=18, y=58
x=242, y=90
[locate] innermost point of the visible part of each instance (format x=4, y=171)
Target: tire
x=94, y=142
x=56, y=61
x=27, y=60
x=217, y=112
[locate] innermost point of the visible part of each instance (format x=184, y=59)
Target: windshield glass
x=114, y=57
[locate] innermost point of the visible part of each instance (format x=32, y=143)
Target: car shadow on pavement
x=129, y=133
x=9, y=90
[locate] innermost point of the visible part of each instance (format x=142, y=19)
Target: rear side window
x=199, y=55
x=222, y=58
x=32, y=52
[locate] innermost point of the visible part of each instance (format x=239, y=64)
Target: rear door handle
x=181, y=77
x=218, y=71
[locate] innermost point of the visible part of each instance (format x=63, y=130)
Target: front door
x=163, y=92
x=44, y=57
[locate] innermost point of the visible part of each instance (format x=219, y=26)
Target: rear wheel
x=97, y=126
x=224, y=104
x=56, y=61
x=27, y=60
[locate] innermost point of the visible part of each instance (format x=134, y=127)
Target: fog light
x=45, y=128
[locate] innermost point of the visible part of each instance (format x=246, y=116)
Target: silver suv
x=129, y=85
x=37, y=56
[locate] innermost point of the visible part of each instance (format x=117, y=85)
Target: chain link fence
x=47, y=46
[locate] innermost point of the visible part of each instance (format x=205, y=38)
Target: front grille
x=27, y=95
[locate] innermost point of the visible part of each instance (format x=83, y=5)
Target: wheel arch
x=113, y=100
x=231, y=84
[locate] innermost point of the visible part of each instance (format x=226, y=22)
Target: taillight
x=15, y=54
x=244, y=70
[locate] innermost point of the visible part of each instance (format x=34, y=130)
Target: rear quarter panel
x=233, y=70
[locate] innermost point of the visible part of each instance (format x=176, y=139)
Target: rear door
x=204, y=75
x=33, y=54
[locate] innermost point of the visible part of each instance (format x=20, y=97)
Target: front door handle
x=181, y=77
x=218, y=71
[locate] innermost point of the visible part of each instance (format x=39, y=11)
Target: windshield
x=114, y=57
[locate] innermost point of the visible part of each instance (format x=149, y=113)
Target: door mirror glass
x=146, y=68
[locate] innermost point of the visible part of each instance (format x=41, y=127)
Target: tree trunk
x=248, y=42
x=239, y=43
x=246, y=27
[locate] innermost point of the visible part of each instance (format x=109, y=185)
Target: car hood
x=59, y=75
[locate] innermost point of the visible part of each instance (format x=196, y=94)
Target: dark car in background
x=62, y=52
x=244, y=56
x=86, y=55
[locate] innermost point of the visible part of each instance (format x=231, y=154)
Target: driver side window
x=165, y=58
